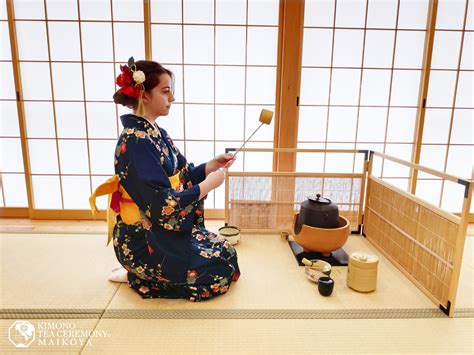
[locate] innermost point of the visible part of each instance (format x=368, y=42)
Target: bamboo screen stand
x=267, y=201
x=423, y=241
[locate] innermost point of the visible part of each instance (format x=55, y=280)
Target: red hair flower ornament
x=131, y=83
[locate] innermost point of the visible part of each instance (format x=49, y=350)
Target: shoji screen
x=361, y=71
x=12, y=174
x=448, y=129
x=68, y=52
x=224, y=57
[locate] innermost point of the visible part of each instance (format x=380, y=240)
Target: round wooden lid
x=363, y=260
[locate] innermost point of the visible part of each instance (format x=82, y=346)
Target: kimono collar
x=130, y=120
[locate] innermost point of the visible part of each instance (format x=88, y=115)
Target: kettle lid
x=319, y=199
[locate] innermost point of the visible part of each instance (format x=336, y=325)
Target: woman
x=166, y=249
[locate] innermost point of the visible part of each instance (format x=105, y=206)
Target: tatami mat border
x=45, y=313
x=464, y=313
x=401, y=313
x=277, y=314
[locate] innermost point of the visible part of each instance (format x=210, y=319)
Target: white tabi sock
x=119, y=275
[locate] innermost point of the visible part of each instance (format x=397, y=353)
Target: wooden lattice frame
x=276, y=212
x=273, y=214
x=425, y=242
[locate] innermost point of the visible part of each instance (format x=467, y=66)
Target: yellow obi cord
x=129, y=211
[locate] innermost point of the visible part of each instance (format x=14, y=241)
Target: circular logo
x=21, y=333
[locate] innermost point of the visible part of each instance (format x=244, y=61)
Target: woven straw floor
x=61, y=280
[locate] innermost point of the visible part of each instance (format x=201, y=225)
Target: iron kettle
x=317, y=212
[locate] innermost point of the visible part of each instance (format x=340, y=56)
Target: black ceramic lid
x=319, y=199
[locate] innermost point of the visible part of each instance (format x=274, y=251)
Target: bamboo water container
x=362, y=272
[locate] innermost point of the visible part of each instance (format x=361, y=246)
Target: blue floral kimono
x=168, y=253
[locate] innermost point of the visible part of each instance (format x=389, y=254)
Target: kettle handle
x=318, y=197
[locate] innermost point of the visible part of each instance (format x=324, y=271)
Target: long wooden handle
x=247, y=140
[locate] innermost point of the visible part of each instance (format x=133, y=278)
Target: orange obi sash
x=119, y=201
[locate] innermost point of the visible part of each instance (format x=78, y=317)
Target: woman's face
x=158, y=101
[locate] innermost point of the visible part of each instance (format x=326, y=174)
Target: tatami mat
x=66, y=336
x=285, y=336
x=468, y=257
x=465, y=295
x=271, y=279
x=66, y=277
x=56, y=271
x=276, y=336
x=59, y=282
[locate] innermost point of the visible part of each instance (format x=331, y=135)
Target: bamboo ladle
x=265, y=118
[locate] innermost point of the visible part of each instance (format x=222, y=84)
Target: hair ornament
x=131, y=82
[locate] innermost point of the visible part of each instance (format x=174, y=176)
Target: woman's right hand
x=212, y=181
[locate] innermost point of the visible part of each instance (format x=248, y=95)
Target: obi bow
x=120, y=202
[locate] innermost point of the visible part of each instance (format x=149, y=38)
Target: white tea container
x=362, y=272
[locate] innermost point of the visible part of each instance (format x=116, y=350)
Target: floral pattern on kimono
x=169, y=253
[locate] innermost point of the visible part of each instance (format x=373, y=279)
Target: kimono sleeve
x=148, y=185
x=191, y=173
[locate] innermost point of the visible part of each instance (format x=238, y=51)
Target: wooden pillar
x=423, y=91
x=290, y=49
x=147, y=24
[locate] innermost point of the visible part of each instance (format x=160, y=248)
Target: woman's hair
x=152, y=71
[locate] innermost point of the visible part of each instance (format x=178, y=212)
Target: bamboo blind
x=421, y=240
x=252, y=203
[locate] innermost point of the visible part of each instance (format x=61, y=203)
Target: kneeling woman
x=159, y=236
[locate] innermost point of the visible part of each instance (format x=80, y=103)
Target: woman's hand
x=221, y=161
x=225, y=160
x=212, y=181
x=216, y=178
